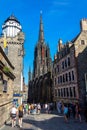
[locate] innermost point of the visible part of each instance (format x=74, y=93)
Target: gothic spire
x=41, y=33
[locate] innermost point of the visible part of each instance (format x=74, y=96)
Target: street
x=47, y=122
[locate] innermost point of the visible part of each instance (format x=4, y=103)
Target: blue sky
x=61, y=19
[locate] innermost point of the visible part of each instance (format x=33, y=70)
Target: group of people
x=17, y=112
x=67, y=109
x=32, y=108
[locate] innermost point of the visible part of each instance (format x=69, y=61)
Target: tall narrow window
x=55, y=92
x=55, y=70
x=68, y=61
x=64, y=92
x=66, y=77
x=72, y=75
x=4, y=86
x=69, y=76
x=58, y=68
x=63, y=78
x=60, y=79
x=63, y=65
x=59, y=92
x=70, y=92
x=67, y=92
x=1, y=81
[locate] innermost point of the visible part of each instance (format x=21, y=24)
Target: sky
x=61, y=19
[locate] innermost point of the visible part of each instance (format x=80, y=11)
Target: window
x=55, y=70
x=68, y=61
x=1, y=78
x=60, y=79
x=66, y=77
x=64, y=92
x=55, y=92
x=58, y=68
x=82, y=42
x=69, y=76
x=72, y=75
x=67, y=92
x=63, y=78
x=59, y=92
x=4, y=86
x=70, y=92
x=63, y=65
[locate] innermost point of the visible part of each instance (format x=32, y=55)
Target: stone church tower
x=13, y=38
x=42, y=59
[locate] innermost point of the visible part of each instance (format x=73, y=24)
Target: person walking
x=13, y=114
x=65, y=112
x=59, y=106
x=78, y=112
x=20, y=114
x=38, y=108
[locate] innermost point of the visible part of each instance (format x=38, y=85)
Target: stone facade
x=70, y=67
x=6, y=87
x=15, y=51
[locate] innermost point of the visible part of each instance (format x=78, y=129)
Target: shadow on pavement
x=53, y=123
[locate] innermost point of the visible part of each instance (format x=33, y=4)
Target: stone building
x=39, y=89
x=70, y=68
x=12, y=42
x=6, y=87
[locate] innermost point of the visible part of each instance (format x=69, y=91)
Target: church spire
x=41, y=33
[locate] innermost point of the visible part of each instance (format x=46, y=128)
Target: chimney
x=83, y=25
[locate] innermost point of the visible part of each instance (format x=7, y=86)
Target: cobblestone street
x=47, y=122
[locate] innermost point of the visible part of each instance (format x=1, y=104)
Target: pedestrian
x=73, y=110
x=38, y=108
x=20, y=114
x=59, y=105
x=13, y=114
x=78, y=112
x=29, y=109
x=65, y=112
x=46, y=107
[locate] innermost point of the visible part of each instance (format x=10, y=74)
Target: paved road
x=48, y=122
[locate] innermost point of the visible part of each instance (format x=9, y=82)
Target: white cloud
x=59, y=7
x=60, y=3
